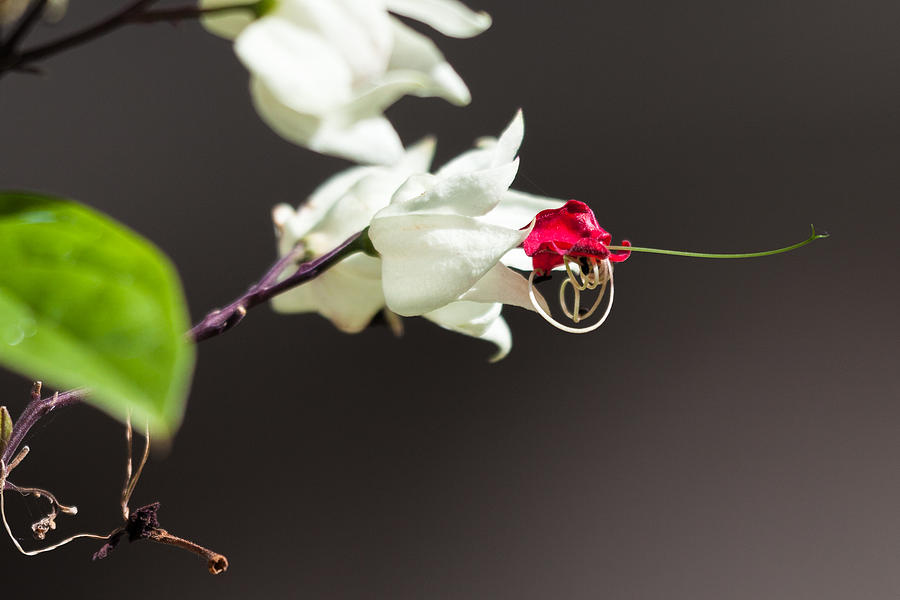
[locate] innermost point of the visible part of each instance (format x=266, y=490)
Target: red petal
x=569, y=230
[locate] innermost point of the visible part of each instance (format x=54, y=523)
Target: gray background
x=730, y=433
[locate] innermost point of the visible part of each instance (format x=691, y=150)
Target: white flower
x=349, y=294
x=443, y=239
x=323, y=71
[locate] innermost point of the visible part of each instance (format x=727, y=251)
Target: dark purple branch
x=137, y=12
x=134, y=13
x=223, y=319
x=216, y=322
x=34, y=411
x=17, y=61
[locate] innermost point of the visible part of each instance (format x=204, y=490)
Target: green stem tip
x=812, y=237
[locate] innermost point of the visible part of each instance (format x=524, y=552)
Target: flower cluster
x=446, y=240
x=323, y=71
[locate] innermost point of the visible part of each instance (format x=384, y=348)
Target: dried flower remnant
x=139, y=524
x=143, y=524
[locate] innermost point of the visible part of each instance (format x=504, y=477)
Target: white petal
x=471, y=160
x=372, y=140
x=358, y=30
x=375, y=96
x=413, y=187
x=282, y=215
x=11, y=10
x=469, y=194
x=413, y=52
x=299, y=68
x=500, y=335
x=228, y=24
x=475, y=319
x=471, y=318
x=501, y=284
x=346, y=202
x=296, y=127
x=518, y=209
x=430, y=260
x=450, y=17
x=301, y=299
x=356, y=207
x=350, y=215
x=323, y=198
x=491, y=153
x=348, y=294
x=510, y=140
x=418, y=157
x=55, y=10
x=517, y=259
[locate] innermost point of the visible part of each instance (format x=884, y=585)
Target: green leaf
x=86, y=302
x=6, y=427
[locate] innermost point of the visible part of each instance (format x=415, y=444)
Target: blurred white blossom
x=323, y=71
x=11, y=10
x=444, y=240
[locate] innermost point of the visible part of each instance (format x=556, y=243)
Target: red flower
x=571, y=230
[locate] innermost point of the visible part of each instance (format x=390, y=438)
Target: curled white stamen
x=576, y=303
x=608, y=278
x=575, y=314
x=595, y=276
x=572, y=280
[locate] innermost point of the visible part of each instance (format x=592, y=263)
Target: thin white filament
x=15, y=542
x=128, y=465
x=589, y=281
x=131, y=481
x=566, y=328
x=600, y=294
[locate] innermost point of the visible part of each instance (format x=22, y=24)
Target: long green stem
x=813, y=237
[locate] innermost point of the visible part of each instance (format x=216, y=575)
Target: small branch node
x=19, y=458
